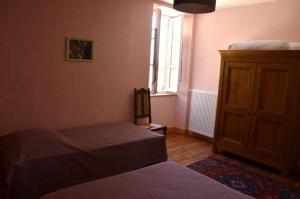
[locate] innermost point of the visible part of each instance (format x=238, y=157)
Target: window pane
x=151, y=77
x=152, y=52
x=163, y=63
x=169, y=54
x=164, y=76
x=175, y=59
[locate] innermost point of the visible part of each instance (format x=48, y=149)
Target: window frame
x=156, y=50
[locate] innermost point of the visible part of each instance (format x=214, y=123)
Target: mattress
x=163, y=180
x=40, y=161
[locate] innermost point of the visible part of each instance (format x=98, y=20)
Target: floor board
x=186, y=150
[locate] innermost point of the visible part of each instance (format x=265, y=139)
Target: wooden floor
x=185, y=149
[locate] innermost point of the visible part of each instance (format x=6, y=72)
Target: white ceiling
x=230, y=3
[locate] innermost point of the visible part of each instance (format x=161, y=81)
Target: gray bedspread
x=161, y=181
x=41, y=161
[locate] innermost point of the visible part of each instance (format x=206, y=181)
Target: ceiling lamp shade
x=195, y=6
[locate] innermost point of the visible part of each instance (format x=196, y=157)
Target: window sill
x=163, y=94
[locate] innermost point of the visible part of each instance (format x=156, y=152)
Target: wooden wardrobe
x=258, y=114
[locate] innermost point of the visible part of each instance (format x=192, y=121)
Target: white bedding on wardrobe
x=294, y=45
x=264, y=45
x=260, y=45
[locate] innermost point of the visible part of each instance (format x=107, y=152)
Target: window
x=165, y=51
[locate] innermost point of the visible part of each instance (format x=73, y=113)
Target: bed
x=163, y=180
x=40, y=161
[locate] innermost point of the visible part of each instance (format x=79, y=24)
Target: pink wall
x=38, y=88
x=273, y=20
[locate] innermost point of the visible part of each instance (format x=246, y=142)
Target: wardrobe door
x=235, y=107
x=274, y=86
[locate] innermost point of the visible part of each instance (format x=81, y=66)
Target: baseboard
x=200, y=136
x=176, y=130
x=191, y=133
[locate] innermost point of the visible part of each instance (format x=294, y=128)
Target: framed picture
x=79, y=49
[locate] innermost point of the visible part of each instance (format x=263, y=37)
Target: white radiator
x=203, y=112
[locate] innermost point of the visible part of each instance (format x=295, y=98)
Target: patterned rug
x=245, y=181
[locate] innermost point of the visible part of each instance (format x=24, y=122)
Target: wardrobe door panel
x=236, y=94
x=273, y=86
x=266, y=138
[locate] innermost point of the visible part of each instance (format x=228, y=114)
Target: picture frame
x=81, y=50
